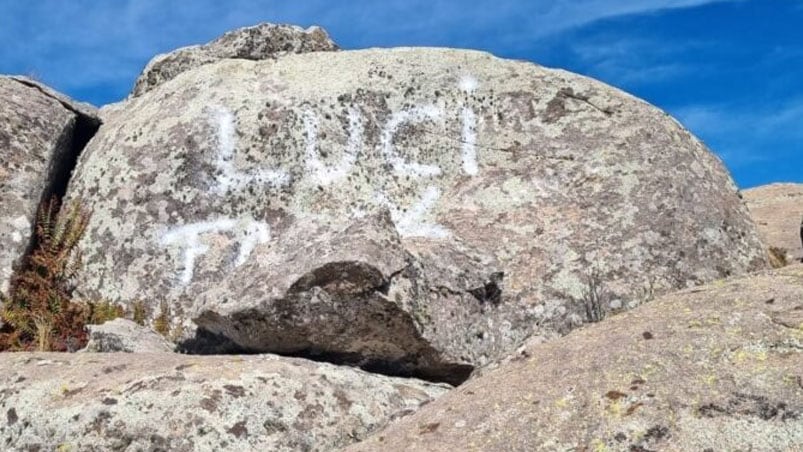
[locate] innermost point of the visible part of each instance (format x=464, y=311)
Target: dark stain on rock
x=110, y=369
x=235, y=391
x=656, y=433
x=751, y=405
x=72, y=392
x=615, y=395
x=11, y=416
x=210, y=403
x=647, y=335
x=555, y=109
x=274, y=426
x=342, y=400
x=109, y=401
x=428, y=428
x=238, y=430
x=632, y=408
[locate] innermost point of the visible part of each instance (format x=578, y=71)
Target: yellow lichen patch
x=599, y=445
x=710, y=379
x=614, y=408
x=563, y=402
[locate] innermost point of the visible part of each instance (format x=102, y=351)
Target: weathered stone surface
x=40, y=133
x=777, y=210
x=259, y=42
x=101, y=402
x=718, y=367
x=123, y=335
x=230, y=191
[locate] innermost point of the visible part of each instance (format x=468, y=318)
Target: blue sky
x=730, y=70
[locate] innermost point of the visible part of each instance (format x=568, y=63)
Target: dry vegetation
x=40, y=312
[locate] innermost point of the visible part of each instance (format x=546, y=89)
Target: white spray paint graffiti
x=469, y=147
x=229, y=179
x=413, y=115
x=468, y=84
x=325, y=175
x=411, y=221
x=249, y=233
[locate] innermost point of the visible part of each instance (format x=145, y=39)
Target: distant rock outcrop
x=520, y=200
x=163, y=401
x=777, y=210
x=718, y=367
x=41, y=134
x=260, y=42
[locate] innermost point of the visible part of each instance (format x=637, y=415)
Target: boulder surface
x=777, y=210
x=41, y=135
x=125, y=336
x=718, y=367
x=462, y=201
x=165, y=401
x=259, y=42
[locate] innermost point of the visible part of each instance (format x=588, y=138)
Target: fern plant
x=39, y=312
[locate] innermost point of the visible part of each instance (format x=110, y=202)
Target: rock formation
x=230, y=192
x=149, y=401
x=411, y=212
x=718, y=367
x=777, y=210
x=41, y=134
x=122, y=335
x=260, y=42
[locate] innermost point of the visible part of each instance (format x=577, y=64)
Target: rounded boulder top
x=259, y=42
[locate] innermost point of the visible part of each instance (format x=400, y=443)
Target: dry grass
x=39, y=312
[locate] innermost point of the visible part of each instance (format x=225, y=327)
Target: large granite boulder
x=777, y=210
x=149, y=401
x=718, y=367
x=420, y=211
x=259, y=42
x=41, y=135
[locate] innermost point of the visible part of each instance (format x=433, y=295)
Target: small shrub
x=139, y=312
x=777, y=257
x=594, y=297
x=103, y=311
x=39, y=312
x=161, y=324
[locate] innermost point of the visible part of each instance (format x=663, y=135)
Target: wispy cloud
x=744, y=135
x=78, y=44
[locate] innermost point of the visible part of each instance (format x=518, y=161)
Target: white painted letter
x=323, y=174
x=401, y=166
x=249, y=233
x=229, y=178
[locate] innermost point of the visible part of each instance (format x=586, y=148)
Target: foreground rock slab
x=777, y=210
x=718, y=367
x=41, y=134
x=128, y=402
